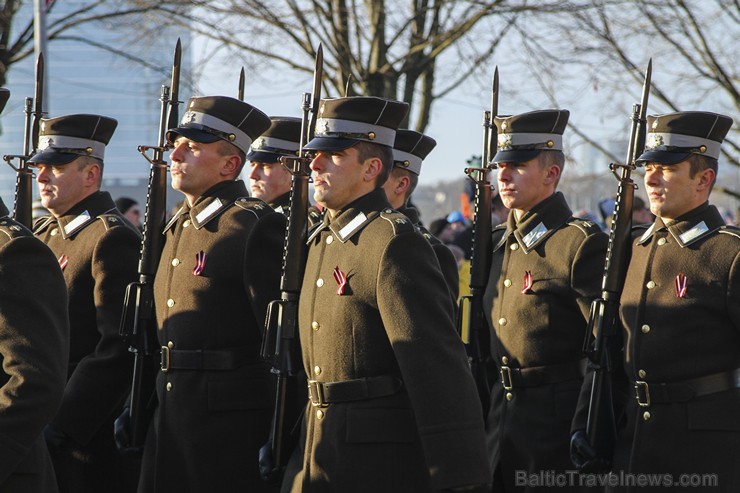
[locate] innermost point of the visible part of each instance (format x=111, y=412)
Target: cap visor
x=515, y=156
x=50, y=156
x=329, y=144
x=663, y=157
x=264, y=157
x=192, y=134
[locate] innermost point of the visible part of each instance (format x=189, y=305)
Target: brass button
x=329, y=239
x=507, y=283
x=54, y=232
x=319, y=414
x=169, y=386
x=645, y=329
x=646, y=415
x=317, y=370
x=509, y=396
x=170, y=344
x=319, y=282
x=186, y=223
x=650, y=284
x=642, y=373
x=175, y=262
x=505, y=360
x=514, y=246
x=662, y=241
x=315, y=326
x=170, y=302
x=502, y=321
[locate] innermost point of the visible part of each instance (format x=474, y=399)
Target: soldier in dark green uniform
x=409, y=151
x=545, y=271
x=34, y=342
x=393, y=406
x=98, y=250
x=680, y=309
x=269, y=180
x=219, y=269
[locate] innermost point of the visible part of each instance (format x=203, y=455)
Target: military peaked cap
x=410, y=149
x=4, y=96
x=211, y=118
x=343, y=122
x=522, y=137
x=283, y=138
x=673, y=137
x=65, y=138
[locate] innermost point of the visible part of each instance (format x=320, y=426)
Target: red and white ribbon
x=200, y=263
x=681, y=282
x=341, y=279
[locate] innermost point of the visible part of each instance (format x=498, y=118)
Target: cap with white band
x=212, y=118
x=65, y=138
x=410, y=149
x=283, y=138
x=522, y=137
x=674, y=137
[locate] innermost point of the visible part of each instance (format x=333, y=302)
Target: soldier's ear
x=553, y=174
x=373, y=168
x=706, y=179
x=232, y=165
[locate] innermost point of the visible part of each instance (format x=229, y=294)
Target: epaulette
x=111, y=221
x=12, y=228
x=730, y=230
x=40, y=223
x=587, y=227
x=400, y=223
x=253, y=205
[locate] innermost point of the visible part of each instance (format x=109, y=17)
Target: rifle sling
x=536, y=376
x=323, y=393
x=209, y=359
x=647, y=393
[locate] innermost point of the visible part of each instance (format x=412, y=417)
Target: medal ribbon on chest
x=341, y=279
x=681, y=282
x=527, y=285
x=63, y=261
x=200, y=263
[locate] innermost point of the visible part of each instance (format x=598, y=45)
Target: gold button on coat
x=509, y=396
x=175, y=262
x=645, y=329
x=186, y=223
x=329, y=239
x=54, y=232
x=317, y=370
x=315, y=326
x=507, y=283
x=646, y=415
x=642, y=373
x=505, y=360
x=319, y=282
x=662, y=241
x=319, y=414
x=170, y=344
x=502, y=321
x=169, y=386
x=650, y=284
x=170, y=302
x=514, y=246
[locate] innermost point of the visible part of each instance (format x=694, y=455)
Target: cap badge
x=200, y=263
x=655, y=124
x=504, y=140
x=681, y=282
x=527, y=284
x=504, y=126
x=325, y=126
x=188, y=117
x=655, y=140
x=341, y=279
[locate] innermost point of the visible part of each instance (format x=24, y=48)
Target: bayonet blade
x=38, y=112
x=240, y=92
x=318, y=73
x=173, y=117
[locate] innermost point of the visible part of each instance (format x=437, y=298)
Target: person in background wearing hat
x=34, y=350
x=393, y=406
x=409, y=150
x=219, y=269
x=680, y=311
x=546, y=269
x=131, y=210
x=98, y=251
x=269, y=180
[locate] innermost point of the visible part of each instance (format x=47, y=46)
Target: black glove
x=122, y=433
x=583, y=455
x=270, y=474
x=55, y=438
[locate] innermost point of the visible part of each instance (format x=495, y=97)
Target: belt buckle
x=164, y=361
x=646, y=393
x=506, y=378
x=316, y=394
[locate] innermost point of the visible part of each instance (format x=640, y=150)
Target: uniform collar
x=81, y=214
x=281, y=204
x=538, y=223
x=355, y=216
x=689, y=228
x=411, y=212
x=211, y=204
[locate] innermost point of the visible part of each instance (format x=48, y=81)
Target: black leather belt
x=648, y=393
x=535, y=376
x=208, y=359
x=322, y=394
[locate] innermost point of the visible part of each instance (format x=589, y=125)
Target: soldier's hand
x=583, y=455
x=122, y=433
x=270, y=474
